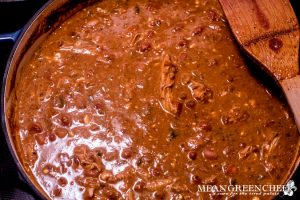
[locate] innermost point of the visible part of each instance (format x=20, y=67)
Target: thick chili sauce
x=148, y=100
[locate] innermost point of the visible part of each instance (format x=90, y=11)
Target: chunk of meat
x=179, y=187
x=87, y=181
x=235, y=115
x=107, y=176
x=268, y=147
x=41, y=138
x=88, y=159
x=139, y=186
x=144, y=47
x=200, y=91
x=159, y=184
x=29, y=150
x=245, y=152
x=195, y=142
x=168, y=75
x=211, y=180
x=229, y=169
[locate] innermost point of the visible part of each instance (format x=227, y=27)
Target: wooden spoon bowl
x=268, y=31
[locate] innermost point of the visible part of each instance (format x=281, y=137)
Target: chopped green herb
x=233, y=182
x=99, y=154
x=137, y=9
x=139, y=161
x=172, y=135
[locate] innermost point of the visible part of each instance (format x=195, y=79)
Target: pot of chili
x=147, y=110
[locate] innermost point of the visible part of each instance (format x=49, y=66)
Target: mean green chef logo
x=253, y=190
x=289, y=188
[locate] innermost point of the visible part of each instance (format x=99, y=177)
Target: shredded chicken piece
x=179, y=188
x=90, y=192
x=130, y=195
x=200, y=91
x=158, y=184
x=29, y=150
x=107, y=176
x=168, y=75
x=274, y=144
x=268, y=147
x=138, y=37
x=77, y=50
x=235, y=115
x=245, y=152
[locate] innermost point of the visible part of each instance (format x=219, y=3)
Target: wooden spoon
x=268, y=31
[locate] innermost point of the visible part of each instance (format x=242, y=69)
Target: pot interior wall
x=40, y=26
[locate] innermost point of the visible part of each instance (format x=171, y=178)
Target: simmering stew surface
x=147, y=100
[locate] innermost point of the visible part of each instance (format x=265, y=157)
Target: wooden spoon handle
x=291, y=88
